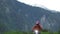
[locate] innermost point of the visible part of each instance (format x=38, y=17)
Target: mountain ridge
x=18, y=16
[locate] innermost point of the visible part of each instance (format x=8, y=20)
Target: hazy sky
x=50, y=4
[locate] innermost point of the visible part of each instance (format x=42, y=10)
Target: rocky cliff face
x=16, y=16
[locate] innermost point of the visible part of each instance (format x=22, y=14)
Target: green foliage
x=44, y=30
x=59, y=32
x=55, y=33
x=13, y=33
x=16, y=32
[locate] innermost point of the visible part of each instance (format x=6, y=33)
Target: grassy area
x=29, y=33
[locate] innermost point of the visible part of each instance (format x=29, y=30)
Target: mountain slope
x=17, y=16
